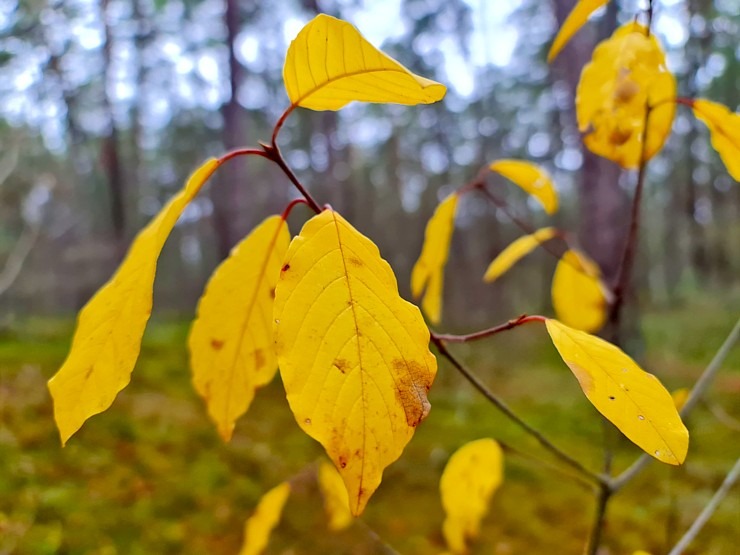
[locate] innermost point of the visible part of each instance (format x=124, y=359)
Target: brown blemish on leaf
x=354, y=261
x=259, y=358
x=341, y=364
x=272, y=293
x=342, y=462
x=583, y=377
x=412, y=384
x=217, y=344
x=285, y=268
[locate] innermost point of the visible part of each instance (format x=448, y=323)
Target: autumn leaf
x=471, y=476
x=266, y=516
x=336, y=500
x=107, y=340
x=330, y=64
x=627, y=74
x=724, y=132
x=516, y=251
x=231, y=345
x=353, y=355
x=533, y=179
x=576, y=19
x=630, y=398
x=427, y=276
x=578, y=296
x=680, y=396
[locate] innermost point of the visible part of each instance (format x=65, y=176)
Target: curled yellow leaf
x=630, y=398
x=516, y=251
x=577, y=292
x=532, y=178
x=266, y=516
x=471, y=476
x=107, y=340
x=336, y=500
x=576, y=19
x=353, y=355
x=724, y=132
x=330, y=64
x=232, y=351
x=627, y=74
x=427, y=276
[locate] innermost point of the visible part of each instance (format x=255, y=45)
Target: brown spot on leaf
x=412, y=383
x=341, y=364
x=342, y=462
x=272, y=293
x=89, y=371
x=217, y=344
x=259, y=358
x=354, y=261
x=285, y=268
x=583, y=377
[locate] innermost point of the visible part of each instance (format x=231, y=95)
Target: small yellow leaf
x=577, y=292
x=353, y=355
x=471, y=476
x=107, y=340
x=626, y=74
x=427, y=276
x=516, y=251
x=576, y=19
x=232, y=352
x=330, y=64
x=336, y=500
x=680, y=396
x=724, y=131
x=630, y=398
x=532, y=178
x=266, y=516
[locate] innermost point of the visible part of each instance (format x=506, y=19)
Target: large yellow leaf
x=353, y=355
x=532, y=178
x=232, y=351
x=577, y=292
x=516, y=251
x=471, y=476
x=626, y=74
x=724, y=131
x=427, y=276
x=266, y=516
x=336, y=500
x=107, y=340
x=330, y=64
x=576, y=19
x=630, y=398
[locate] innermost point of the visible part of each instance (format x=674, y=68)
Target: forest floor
x=150, y=475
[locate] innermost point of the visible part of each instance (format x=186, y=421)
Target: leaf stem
x=482, y=334
x=292, y=204
x=696, y=393
x=708, y=511
x=603, y=495
x=504, y=408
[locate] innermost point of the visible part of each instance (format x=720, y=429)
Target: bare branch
x=17, y=257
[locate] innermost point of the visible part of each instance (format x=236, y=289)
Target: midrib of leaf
x=245, y=322
x=626, y=393
x=359, y=358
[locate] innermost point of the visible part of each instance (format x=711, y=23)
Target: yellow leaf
x=680, y=396
x=336, y=500
x=577, y=292
x=576, y=19
x=630, y=398
x=427, y=276
x=724, y=131
x=353, y=355
x=471, y=476
x=516, y=251
x=640, y=552
x=626, y=74
x=532, y=178
x=107, y=340
x=330, y=64
x=232, y=351
x=266, y=516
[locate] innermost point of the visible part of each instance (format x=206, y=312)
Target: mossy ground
x=151, y=476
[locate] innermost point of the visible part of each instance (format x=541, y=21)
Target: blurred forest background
x=106, y=106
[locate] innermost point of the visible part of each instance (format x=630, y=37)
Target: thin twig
x=708, y=511
x=17, y=257
x=603, y=495
x=488, y=332
x=504, y=408
x=702, y=384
